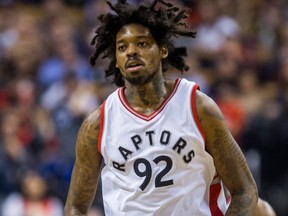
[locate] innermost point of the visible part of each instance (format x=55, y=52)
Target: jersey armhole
x=102, y=111
x=194, y=111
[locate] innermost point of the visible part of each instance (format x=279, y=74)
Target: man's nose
x=132, y=50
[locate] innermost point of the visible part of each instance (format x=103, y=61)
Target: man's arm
x=229, y=160
x=86, y=169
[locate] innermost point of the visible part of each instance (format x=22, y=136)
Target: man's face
x=138, y=55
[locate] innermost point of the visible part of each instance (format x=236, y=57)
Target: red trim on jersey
x=214, y=194
x=194, y=111
x=101, y=126
x=154, y=113
x=216, y=176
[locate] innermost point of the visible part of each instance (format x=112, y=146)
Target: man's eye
x=121, y=48
x=142, y=44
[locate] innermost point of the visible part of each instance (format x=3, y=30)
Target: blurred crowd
x=47, y=87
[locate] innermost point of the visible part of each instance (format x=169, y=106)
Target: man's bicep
x=228, y=158
x=87, y=165
x=87, y=155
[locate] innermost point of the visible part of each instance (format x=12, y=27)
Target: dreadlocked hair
x=163, y=22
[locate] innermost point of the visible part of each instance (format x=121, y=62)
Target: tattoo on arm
x=86, y=169
x=228, y=157
x=208, y=111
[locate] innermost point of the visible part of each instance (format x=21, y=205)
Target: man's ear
x=164, y=51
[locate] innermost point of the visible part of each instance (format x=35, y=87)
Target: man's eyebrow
x=137, y=37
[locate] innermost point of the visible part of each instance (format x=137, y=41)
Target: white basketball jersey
x=157, y=164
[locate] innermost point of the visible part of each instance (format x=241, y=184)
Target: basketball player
x=165, y=144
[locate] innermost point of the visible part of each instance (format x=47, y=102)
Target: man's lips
x=134, y=65
x=134, y=68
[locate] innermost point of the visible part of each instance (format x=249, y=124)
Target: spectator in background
x=33, y=199
x=69, y=100
x=65, y=57
x=226, y=96
x=8, y=32
x=212, y=32
x=14, y=157
x=22, y=64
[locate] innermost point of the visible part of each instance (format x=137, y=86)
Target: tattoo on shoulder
x=87, y=141
x=89, y=130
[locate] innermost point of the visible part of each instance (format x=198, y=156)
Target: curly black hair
x=163, y=22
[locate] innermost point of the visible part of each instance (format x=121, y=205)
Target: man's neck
x=147, y=98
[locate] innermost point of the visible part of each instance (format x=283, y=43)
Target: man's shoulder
x=206, y=105
x=94, y=116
